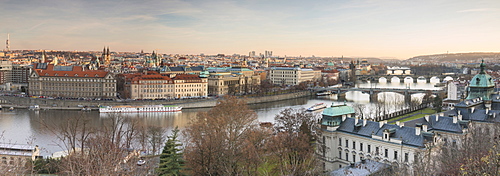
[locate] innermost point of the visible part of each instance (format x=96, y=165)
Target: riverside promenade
x=54, y=104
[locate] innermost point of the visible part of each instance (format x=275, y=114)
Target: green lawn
x=417, y=114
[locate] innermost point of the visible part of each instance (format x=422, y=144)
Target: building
x=198, y=70
x=20, y=74
x=235, y=80
x=149, y=85
x=292, y=75
x=16, y=155
x=5, y=71
x=347, y=139
x=71, y=82
x=190, y=86
x=153, y=85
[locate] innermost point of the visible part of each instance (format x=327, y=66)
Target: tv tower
x=7, y=43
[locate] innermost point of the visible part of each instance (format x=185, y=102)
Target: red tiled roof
x=187, y=77
x=77, y=72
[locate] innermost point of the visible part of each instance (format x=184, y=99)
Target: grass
x=416, y=115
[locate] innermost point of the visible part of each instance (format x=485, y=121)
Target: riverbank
x=52, y=104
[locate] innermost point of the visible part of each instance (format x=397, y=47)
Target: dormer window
x=56, y=74
x=65, y=74
x=86, y=75
x=76, y=75
x=96, y=75
x=46, y=74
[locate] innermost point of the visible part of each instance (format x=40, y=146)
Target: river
x=23, y=126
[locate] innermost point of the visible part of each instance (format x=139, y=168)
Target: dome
x=482, y=80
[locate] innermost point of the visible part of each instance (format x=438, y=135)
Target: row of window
x=361, y=148
x=76, y=80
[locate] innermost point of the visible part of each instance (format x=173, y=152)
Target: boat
x=317, y=106
x=11, y=108
x=86, y=108
x=34, y=107
x=323, y=93
x=143, y=108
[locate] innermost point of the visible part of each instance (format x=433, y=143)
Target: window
x=406, y=157
x=376, y=151
x=369, y=148
x=340, y=154
x=395, y=155
x=346, y=143
x=386, y=154
x=353, y=145
x=340, y=141
x=347, y=156
x=353, y=158
x=361, y=146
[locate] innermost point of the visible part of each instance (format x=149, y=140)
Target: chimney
x=441, y=114
x=455, y=119
x=364, y=122
x=486, y=110
x=343, y=118
x=460, y=117
x=459, y=112
x=380, y=124
x=417, y=131
x=397, y=123
x=424, y=127
x=355, y=121
x=401, y=124
x=427, y=118
x=437, y=118
x=472, y=110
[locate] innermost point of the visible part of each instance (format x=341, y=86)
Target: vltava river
x=23, y=126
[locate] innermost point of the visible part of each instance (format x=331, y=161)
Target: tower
x=44, y=57
x=481, y=85
x=7, y=43
x=106, y=56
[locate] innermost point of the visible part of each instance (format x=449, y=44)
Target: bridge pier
x=373, y=97
x=407, y=96
x=341, y=97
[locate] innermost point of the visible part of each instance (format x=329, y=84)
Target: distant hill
x=458, y=57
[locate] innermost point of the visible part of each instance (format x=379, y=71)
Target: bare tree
x=216, y=139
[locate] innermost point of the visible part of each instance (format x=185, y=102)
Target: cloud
x=478, y=10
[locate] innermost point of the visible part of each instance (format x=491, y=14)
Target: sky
x=350, y=28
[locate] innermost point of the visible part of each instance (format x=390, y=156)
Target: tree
x=437, y=103
x=171, y=159
x=292, y=148
x=216, y=140
x=360, y=110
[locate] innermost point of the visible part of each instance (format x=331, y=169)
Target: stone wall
x=24, y=102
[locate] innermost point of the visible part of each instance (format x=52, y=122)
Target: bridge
x=373, y=92
x=404, y=78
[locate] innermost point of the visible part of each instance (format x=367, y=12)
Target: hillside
x=458, y=57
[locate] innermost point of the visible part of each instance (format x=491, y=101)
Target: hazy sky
x=378, y=28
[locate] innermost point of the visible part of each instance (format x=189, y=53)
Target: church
x=347, y=139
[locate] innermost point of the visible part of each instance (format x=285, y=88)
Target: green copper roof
x=338, y=110
x=482, y=79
